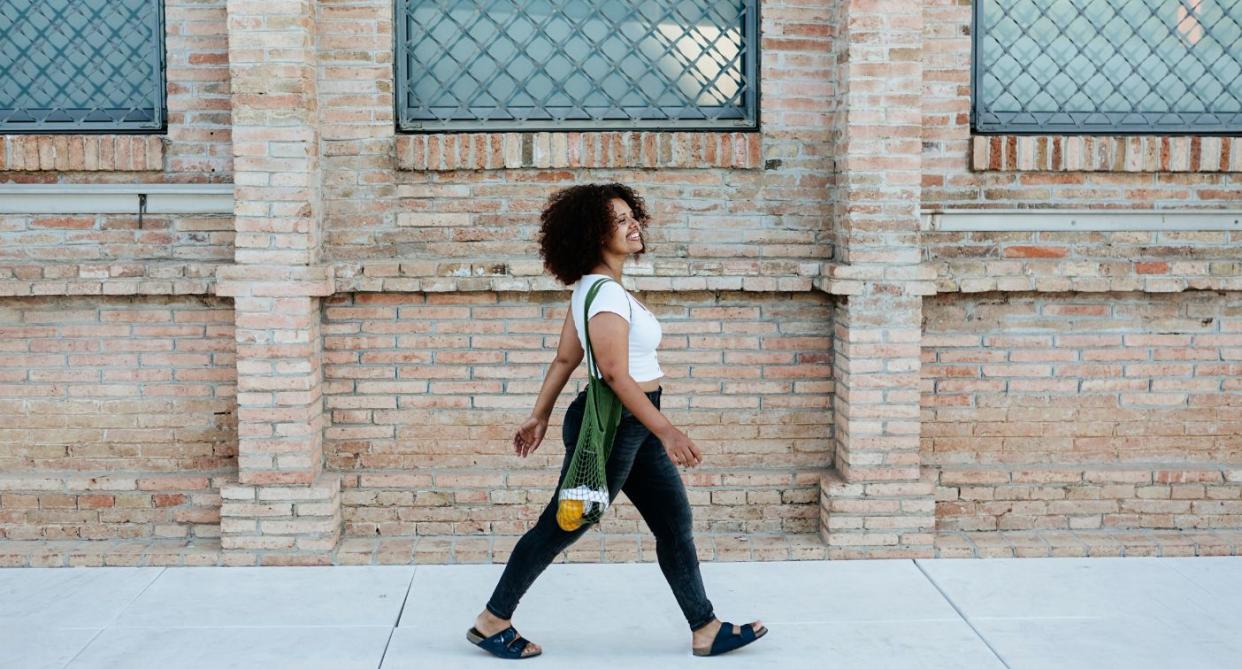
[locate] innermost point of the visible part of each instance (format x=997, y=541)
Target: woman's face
x=626, y=235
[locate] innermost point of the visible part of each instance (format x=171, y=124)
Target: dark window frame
x=749, y=119
x=985, y=121
x=154, y=120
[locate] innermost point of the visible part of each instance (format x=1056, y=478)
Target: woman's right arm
x=568, y=355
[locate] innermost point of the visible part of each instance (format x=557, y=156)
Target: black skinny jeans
x=639, y=465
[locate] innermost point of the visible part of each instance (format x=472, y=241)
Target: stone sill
x=1105, y=153
x=227, y=279
x=959, y=276
x=548, y=284
x=1060, y=276
x=233, y=280
x=630, y=149
x=120, y=278
x=529, y=276
x=75, y=481
x=82, y=153
x=844, y=279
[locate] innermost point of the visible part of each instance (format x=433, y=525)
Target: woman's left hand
x=529, y=436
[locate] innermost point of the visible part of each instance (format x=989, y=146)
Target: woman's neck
x=610, y=265
x=616, y=275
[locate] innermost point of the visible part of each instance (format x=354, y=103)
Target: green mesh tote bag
x=583, y=497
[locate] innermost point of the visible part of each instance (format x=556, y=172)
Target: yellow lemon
x=569, y=514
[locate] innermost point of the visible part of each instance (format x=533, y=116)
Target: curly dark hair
x=576, y=225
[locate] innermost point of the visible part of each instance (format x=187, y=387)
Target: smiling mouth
x=634, y=237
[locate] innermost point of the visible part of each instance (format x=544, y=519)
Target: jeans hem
x=494, y=612
x=710, y=618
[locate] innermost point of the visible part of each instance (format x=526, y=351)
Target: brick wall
x=724, y=206
x=425, y=391
x=118, y=416
x=393, y=322
x=374, y=211
x=199, y=109
x=1147, y=260
x=1076, y=380
x=30, y=241
x=1084, y=411
x=1173, y=497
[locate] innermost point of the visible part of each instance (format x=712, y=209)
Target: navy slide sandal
x=726, y=640
x=504, y=644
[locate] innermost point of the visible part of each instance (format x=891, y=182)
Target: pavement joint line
x=111, y=623
x=150, y=583
x=859, y=621
x=237, y=627
x=78, y=654
x=408, y=587
x=918, y=564
x=1193, y=582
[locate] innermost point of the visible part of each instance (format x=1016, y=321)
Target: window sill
x=1078, y=220
x=635, y=149
x=1105, y=153
x=81, y=153
x=116, y=198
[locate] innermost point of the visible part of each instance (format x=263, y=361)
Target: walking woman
x=587, y=233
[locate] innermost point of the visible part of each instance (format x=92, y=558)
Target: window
x=576, y=64
x=81, y=66
x=1107, y=66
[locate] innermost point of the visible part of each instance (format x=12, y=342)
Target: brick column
x=875, y=503
x=284, y=509
x=272, y=66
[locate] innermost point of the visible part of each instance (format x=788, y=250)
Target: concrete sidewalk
x=1029, y=612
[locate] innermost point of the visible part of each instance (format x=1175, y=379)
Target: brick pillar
x=283, y=509
x=875, y=503
x=272, y=65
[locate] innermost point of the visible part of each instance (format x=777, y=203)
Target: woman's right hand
x=529, y=435
x=680, y=449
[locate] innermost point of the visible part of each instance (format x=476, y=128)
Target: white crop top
x=645, y=330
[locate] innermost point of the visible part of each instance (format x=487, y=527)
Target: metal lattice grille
x=1132, y=66
x=576, y=64
x=81, y=65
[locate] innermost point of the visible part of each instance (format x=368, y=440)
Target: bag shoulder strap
x=586, y=310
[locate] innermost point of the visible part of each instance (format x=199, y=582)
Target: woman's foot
x=488, y=624
x=702, y=638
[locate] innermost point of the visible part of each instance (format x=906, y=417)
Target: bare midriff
x=649, y=386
